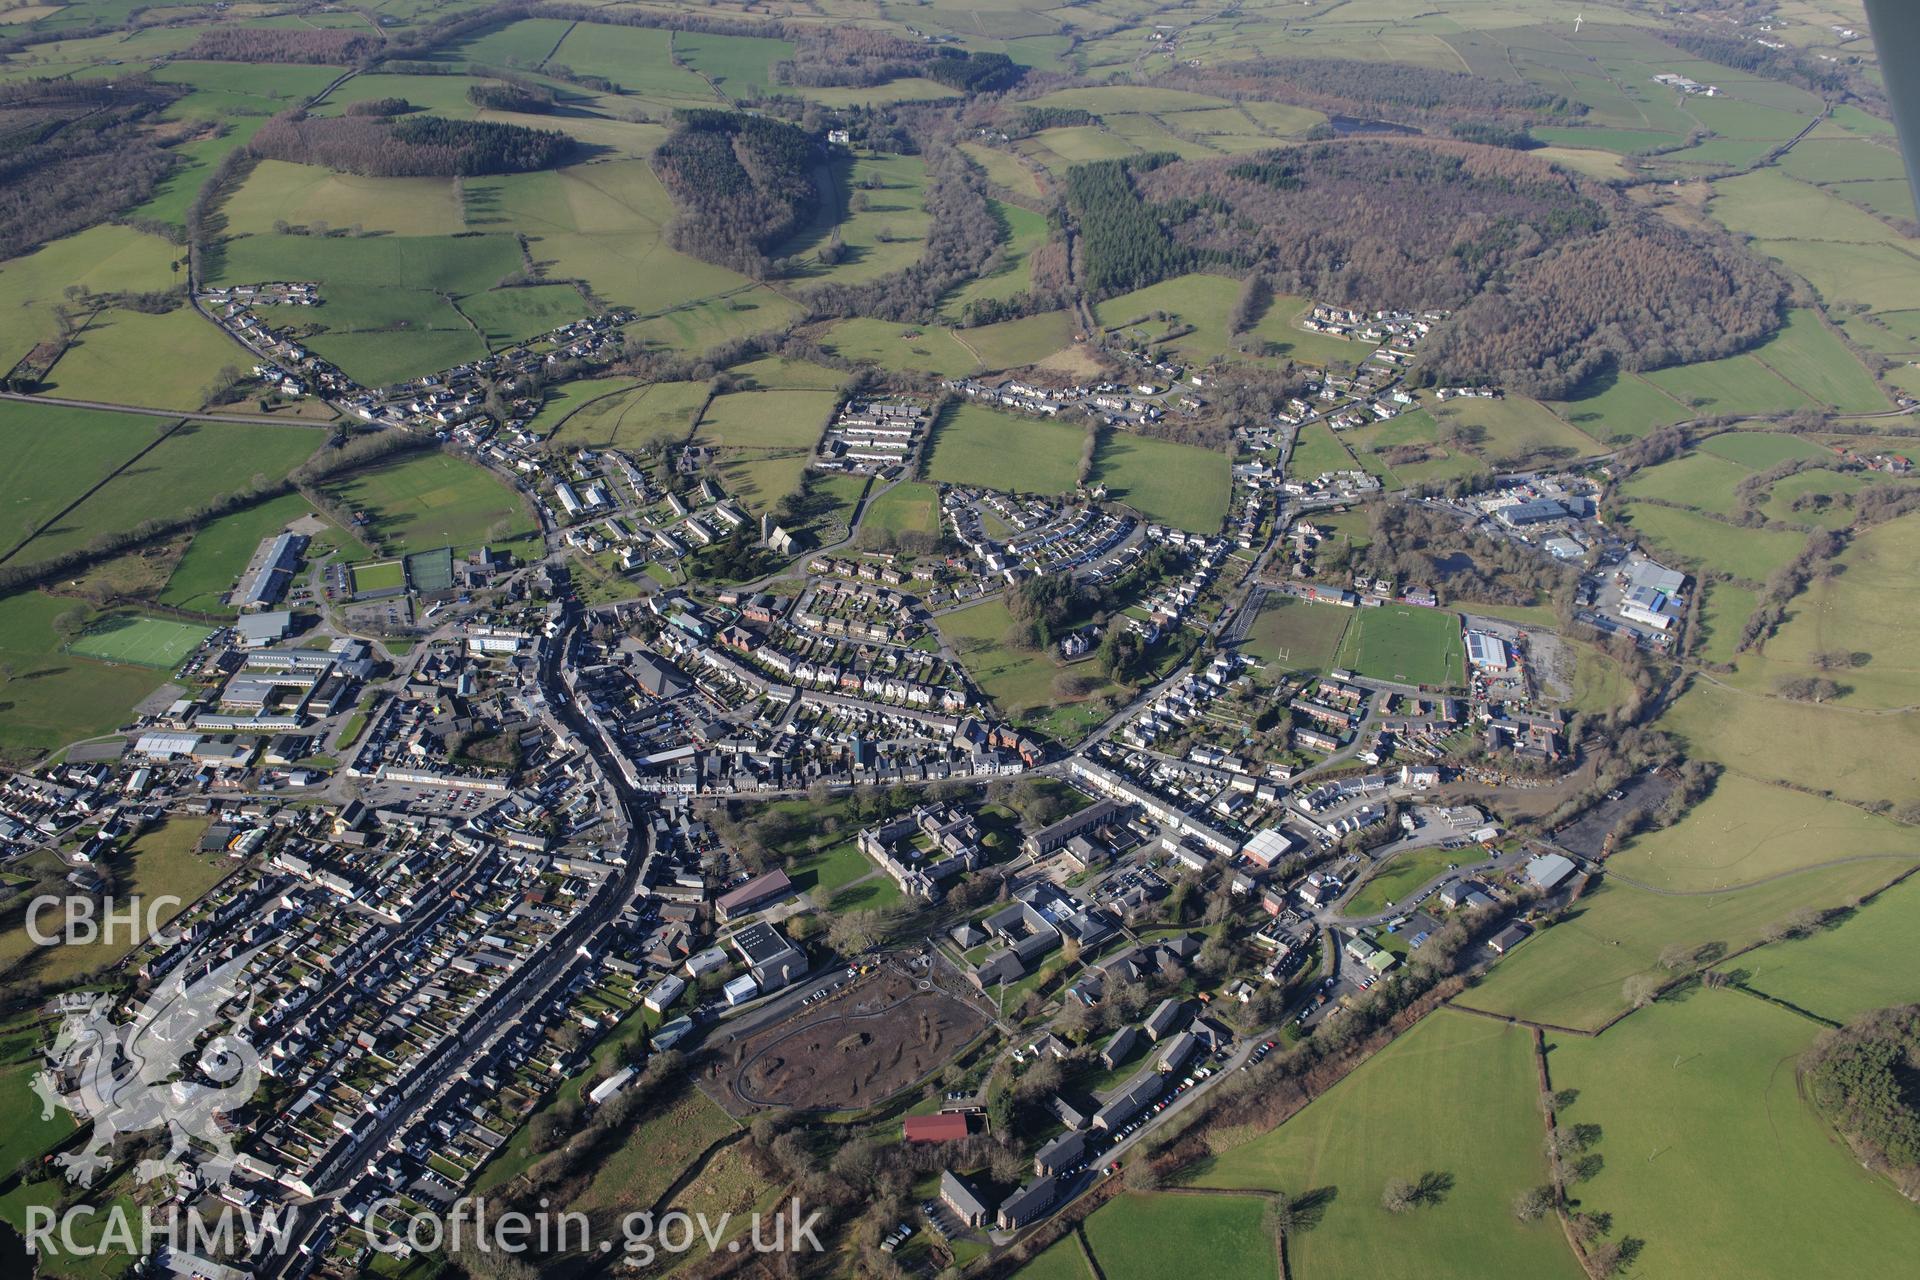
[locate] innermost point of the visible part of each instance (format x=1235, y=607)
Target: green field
x=1203, y=303
x=1061, y=1260
x=1621, y=407
x=48, y=697
x=160, y=643
x=1811, y=357
x=1178, y=484
x=1405, y=873
x=1724, y=610
x=1711, y=1155
x=1868, y=611
x=1022, y=232
x=905, y=508
x=1863, y=756
x=1869, y=961
x=1134, y=1236
x=1698, y=480
x=979, y=446
x=1750, y=554
x=1019, y=681
x=1746, y=831
x=1736, y=385
x=1005, y=168
x=1758, y=450
x=435, y=500
x=100, y=260
x=738, y=66
x=634, y=419
x=55, y=454
x=1572, y=974
x=312, y=196
x=379, y=575
x=1514, y=432
x=166, y=361
x=1456, y=1095
x=1316, y=451
x=1297, y=636
x=1406, y=644
x=766, y=419
x=191, y=466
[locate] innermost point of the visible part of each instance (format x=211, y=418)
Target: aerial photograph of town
x=989, y=639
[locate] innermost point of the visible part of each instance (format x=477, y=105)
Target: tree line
x=284, y=44
x=416, y=146
x=1387, y=90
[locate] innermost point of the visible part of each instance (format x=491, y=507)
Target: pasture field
x=1618, y=408
x=1807, y=354
x=55, y=454
x=435, y=500
x=638, y=59
x=507, y=316
x=1862, y=756
x=220, y=552
x=1022, y=231
x=1279, y=329
x=1005, y=168
x=1758, y=450
x=1724, y=609
x=1623, y=141
x=1297, y=636
x=637, y=418
x=706, y=322
x=1738, y=385
x=166, y=361
x=900, y=348
x=310, y=196
x=1382, y=449
x=1133, y=1236
x=1749, y=554
x=562, y=401
x=1599, y=685
x=1178, y=484
x=1712, y=1156
x=1866, y=614
x=1316, y=451
x=160, y=643
x=1058, y=150
x=766, y=419
x=1203, y=303
x=908, y=507
x=1515, y=431
x=738, y=66
x=522, y=45
x=1700, y=480
x=194, y=465
x=1405, y=643
x=379, y=265
x=1881, y=276
x=1452, y=1085
x=978, y=446
x=1013, y=344
x=379, y=358
x=1747, y=830
x=1769, y=205
x=1572, y=974
x=777, y=373
x=1061, y=1260
x=49, y=698
x=101, y=259
x=1869, y=960
x=906, y=89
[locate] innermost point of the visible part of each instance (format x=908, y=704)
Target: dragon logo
x=173, y=1067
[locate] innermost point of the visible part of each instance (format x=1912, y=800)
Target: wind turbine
x=1578, y=18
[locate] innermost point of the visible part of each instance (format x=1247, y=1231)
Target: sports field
x=1217, y=1236
x=977, y=446
x=1711, y=1156
x=1406, y=644
x=160, y=643
x=53, y=696
x=1297, y=636
x=383, y=575
x=1456, y=1095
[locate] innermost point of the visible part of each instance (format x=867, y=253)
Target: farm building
x=943, y=1126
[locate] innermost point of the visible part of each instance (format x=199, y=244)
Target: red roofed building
x=755, y=893
x=946, y=1126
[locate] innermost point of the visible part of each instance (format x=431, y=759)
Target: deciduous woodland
x=1395, y=90
x=418, y=146
x=74, y=152
x=742, y=185
x=242, y=44
x=1551, y=278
